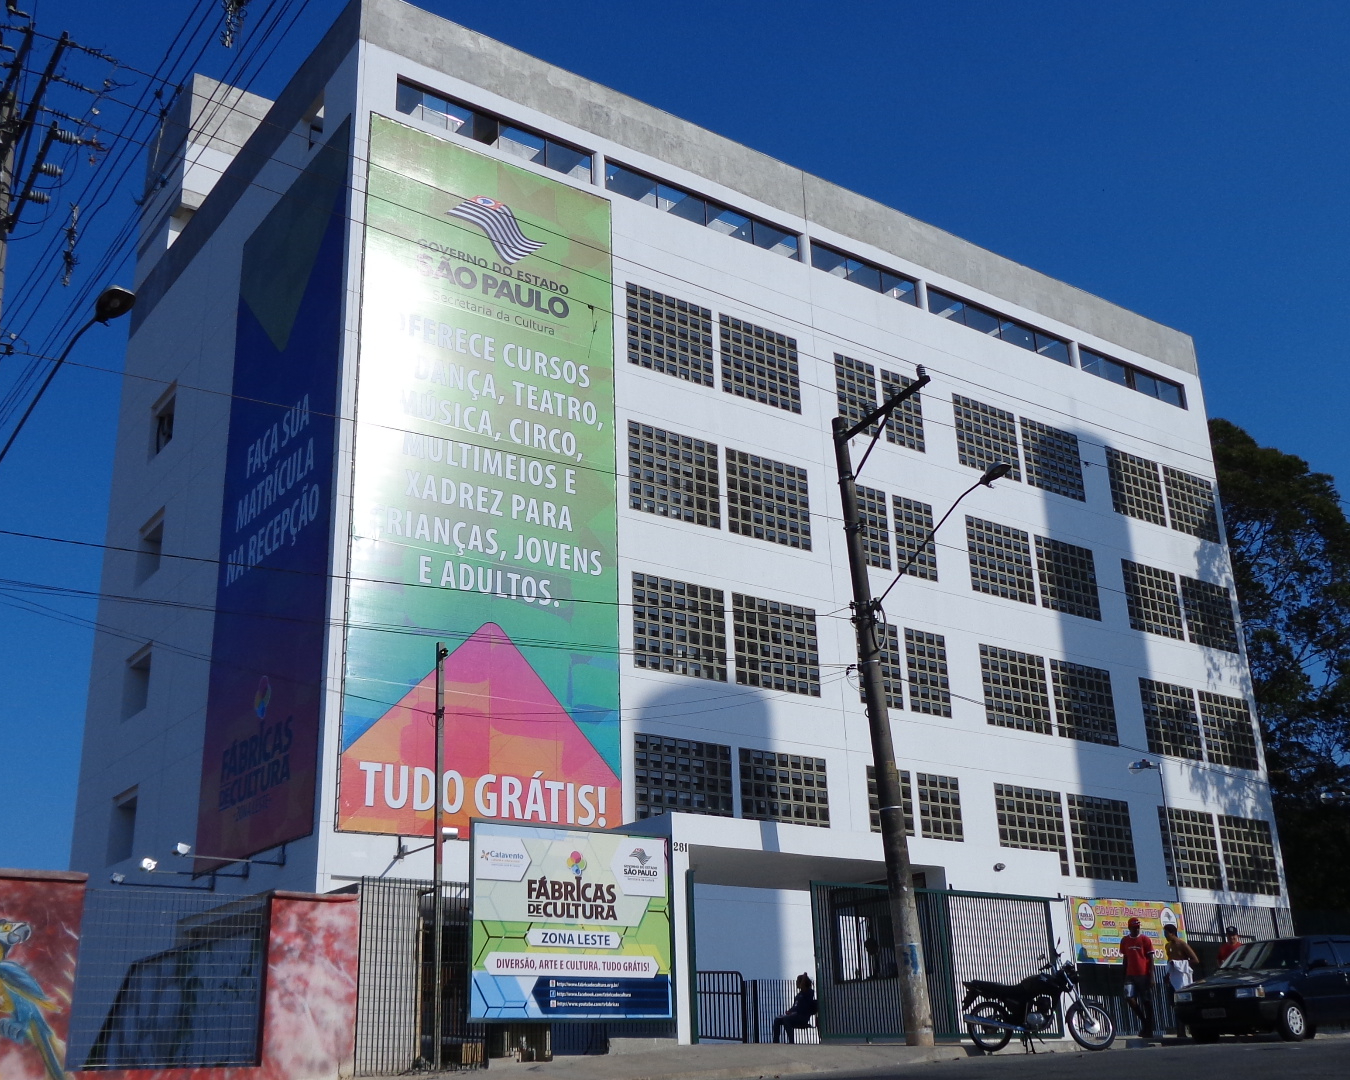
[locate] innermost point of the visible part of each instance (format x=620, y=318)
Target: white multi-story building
x=313, y=338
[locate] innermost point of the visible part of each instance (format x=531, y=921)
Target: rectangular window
x=1031, y=818
x=1190, y=852
x=784, y=787
x=1000, y=326
x=926, y=658
x=768, y=500
x=760, y=364
x=1249, y=855
x=669, y=335
x=776, y=645
x=1209, y=614
x=1084, y=707
x=914, y=529
x=1068, y=578
x=122, y=827
x=904, y=426
x=1052, y=459
x=1190, y=504
x=673, y=476
x=1170, y=720
x=1155, y=386
x=1000, y=560
x=161, y=420
x=1135, y=488
x=151, y=548
x=1152, y=599
x=136, y=683
x=892, y=669
x=940, y=807
x=672, y=775
x=473, y=123
x=1103, y=843
x=679, y=627
x=855, y=385
x=876, y=533
x=866, y=274
x=874, y=801
x=1015, y=693
x=681, y=203
x=985, y=435
x=1229, y=736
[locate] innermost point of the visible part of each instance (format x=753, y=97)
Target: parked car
x=1289, y=985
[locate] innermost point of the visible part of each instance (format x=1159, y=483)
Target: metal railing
x=722, y=1007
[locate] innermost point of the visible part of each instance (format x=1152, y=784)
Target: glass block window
x=1084, y=707
x=776, y=645
x=1190, y=851
x=1170, y=720
x=876, y=532
x=670, y=335
x=1103, y=844
x=1052, y=459
x=995, y=325
x=1249, y=855
x=1000, y=560
x=985, y=435
x=892, y=671
x=673, y=476
x=1229, y=736
x=855, y=385
x=1135, y=488
x=904, y=426
x=1190, y=504
x=784, y=787
x=760, y=364
x=1031, y=818
x=680, y=775
x=768, y=500
x=1015, y=693
x=860, y=272
x=926, y=658
x=913, y=528
x=1068, y=578
x=1209, y=614
x=874, y=801
x=1152, y=600
x=679, y=627
x=940, y=807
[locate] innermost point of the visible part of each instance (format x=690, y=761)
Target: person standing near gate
x=1182, y=964
x=803, y=1008
x=1232, y=945
x=1137, y=950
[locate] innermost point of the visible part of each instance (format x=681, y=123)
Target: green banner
x=484, y=509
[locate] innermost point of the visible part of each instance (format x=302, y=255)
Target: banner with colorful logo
x=1098, y=925
x=569, y=925
x=484, y=498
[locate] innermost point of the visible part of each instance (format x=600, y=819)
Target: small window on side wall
x=161, y=420
x=151, y=547
x=122, y=827
x=136, y=683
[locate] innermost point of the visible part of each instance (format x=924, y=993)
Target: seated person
x=803, y=1008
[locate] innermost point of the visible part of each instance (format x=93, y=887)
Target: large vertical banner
x=569, y=925
x=259, y=758
x=484, y=509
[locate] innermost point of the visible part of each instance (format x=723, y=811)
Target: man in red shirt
x=1232, y=945
x=1137, y=950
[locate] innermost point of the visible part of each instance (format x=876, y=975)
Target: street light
x=915, y=1006
x=1334, y=798
x=112, y=303
x=1144, y=765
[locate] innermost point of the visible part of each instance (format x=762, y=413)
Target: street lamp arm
x=927, y=540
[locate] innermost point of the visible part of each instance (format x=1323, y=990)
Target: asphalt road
x=1319, y=1059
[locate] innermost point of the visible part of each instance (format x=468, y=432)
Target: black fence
x=735, y=1009
x=168, y=978
x=1207, y=922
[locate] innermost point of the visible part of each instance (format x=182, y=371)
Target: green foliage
x=1289, y=540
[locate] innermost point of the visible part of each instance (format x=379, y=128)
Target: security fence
x=735, y=1009
x=168, y=978
x=1207, y=922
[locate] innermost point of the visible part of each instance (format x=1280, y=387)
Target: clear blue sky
x=1188, y=161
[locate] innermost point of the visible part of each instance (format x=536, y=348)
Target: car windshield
x=1265, y=955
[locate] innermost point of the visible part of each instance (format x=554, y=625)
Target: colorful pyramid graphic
x=500, y=719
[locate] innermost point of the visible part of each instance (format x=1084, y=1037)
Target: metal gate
x=965, y=936
x=721, y=1006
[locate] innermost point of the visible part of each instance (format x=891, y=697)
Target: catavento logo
x=502, y=858
x=495, y=219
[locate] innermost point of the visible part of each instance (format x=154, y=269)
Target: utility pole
x=438, y=853
x=916, y=1009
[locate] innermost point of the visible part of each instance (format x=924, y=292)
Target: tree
x=1289, y=541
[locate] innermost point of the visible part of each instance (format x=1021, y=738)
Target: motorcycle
x=1027, y=1008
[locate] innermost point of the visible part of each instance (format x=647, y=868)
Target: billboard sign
x=484, y=491
x=569, y=924
x=1099, y=924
